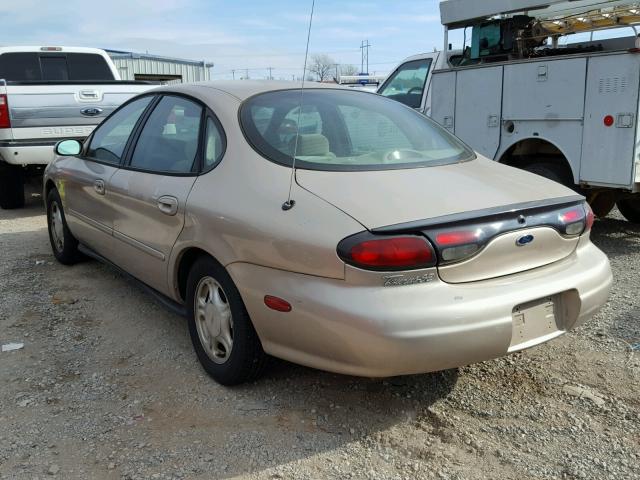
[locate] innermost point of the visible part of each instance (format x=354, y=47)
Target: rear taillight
x=5, y=122
x=387, y=253
x=457, y=245
x=573, y=221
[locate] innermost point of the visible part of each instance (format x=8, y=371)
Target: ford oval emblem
x=526, y=240
x=91, y=111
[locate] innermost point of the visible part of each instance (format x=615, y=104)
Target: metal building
x=167, y=70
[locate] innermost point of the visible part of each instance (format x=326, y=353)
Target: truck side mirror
x=68, y=147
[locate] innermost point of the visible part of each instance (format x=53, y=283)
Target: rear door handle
x=98, y=186
x=168, y=205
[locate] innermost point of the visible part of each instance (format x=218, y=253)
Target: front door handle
x=98, y=186
x=168, y=205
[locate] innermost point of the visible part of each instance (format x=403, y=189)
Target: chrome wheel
x=213, y=319
x=56, y=225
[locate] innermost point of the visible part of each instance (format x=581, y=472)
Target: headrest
x=312, y=145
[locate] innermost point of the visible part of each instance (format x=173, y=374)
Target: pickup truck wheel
x=63, y=243
x=11, y=187
x=221, y=331
x=630, y=208
x=551, y=171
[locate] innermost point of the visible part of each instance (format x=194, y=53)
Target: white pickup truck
x=46, y=94
x=520, y=95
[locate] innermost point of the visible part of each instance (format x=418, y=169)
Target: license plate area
x=542, y=319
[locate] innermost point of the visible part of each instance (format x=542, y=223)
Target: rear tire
x=221, y=330
x=63, y=243
x=630, y=208
x=551, y=171
x=11, y=186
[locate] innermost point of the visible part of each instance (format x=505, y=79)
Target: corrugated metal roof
x=160, y=58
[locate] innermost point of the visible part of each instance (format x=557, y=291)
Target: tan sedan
x=391, y=249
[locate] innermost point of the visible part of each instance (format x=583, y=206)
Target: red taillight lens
x=609, y=121
x=393, y=253
x=457, y=238
x=573, y=220
x=5, y=122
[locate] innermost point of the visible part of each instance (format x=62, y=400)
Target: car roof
x=243, y=89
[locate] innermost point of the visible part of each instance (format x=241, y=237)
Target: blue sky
x=231, y=34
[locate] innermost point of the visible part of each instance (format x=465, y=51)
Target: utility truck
x=46, y=94
x=521, y=93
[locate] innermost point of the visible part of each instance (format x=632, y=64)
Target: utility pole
x=364, y=46
x=270, y=74
x=246, y=74
x=337, y=76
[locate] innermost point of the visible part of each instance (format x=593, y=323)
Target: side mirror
x=68, y=147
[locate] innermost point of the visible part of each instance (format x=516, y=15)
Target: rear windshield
x=345, y=130
x=54, y=66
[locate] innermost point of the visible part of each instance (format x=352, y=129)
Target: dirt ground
x=107, y=386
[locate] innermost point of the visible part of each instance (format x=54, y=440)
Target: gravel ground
x=107, y=386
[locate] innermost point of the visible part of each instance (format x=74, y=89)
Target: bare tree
x=348, y=69
x=321, y=66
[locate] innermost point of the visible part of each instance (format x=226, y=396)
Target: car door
x=83, y=188
x=150, y=191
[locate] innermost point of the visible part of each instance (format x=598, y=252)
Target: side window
x=407, y=83
x=169, y=139
x=371, y=131
x=214, y=145
x=110, y=138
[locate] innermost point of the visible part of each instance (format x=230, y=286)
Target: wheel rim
x=214, y=320
x=57, y=228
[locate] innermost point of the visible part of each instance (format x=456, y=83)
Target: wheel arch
x=525, y=151
x=48, y=186
x=185, y=260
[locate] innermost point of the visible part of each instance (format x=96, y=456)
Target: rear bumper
x=27, y=153
x=377, y=331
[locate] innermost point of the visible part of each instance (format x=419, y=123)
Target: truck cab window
x=407, y=83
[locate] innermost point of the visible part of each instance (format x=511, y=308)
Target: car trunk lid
x=484, y=219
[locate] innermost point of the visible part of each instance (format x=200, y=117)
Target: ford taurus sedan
x=336, y=229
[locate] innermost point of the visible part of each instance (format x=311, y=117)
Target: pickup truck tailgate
x=43, y=111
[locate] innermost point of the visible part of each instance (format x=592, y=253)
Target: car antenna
x=288, y=205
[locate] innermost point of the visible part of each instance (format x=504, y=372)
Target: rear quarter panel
x=234, y=212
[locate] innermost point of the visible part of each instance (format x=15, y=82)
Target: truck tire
x=11, y=187
x=630, y=208
x=551, y=171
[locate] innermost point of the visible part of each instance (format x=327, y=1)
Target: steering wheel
x=402, y=155
x=416, y=89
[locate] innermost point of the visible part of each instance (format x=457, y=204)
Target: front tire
x=63, y=243
x=11, y=186
x=221, y=331
x=630, y=208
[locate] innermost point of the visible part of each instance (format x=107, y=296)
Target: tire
x=11, y=187
x=551, y=171
x=221, y=330
x=630, y=208
x=63, y=243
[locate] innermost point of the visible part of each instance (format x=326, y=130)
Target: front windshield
x=345, y=130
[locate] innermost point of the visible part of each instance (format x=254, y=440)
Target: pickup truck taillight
x=5, y=122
